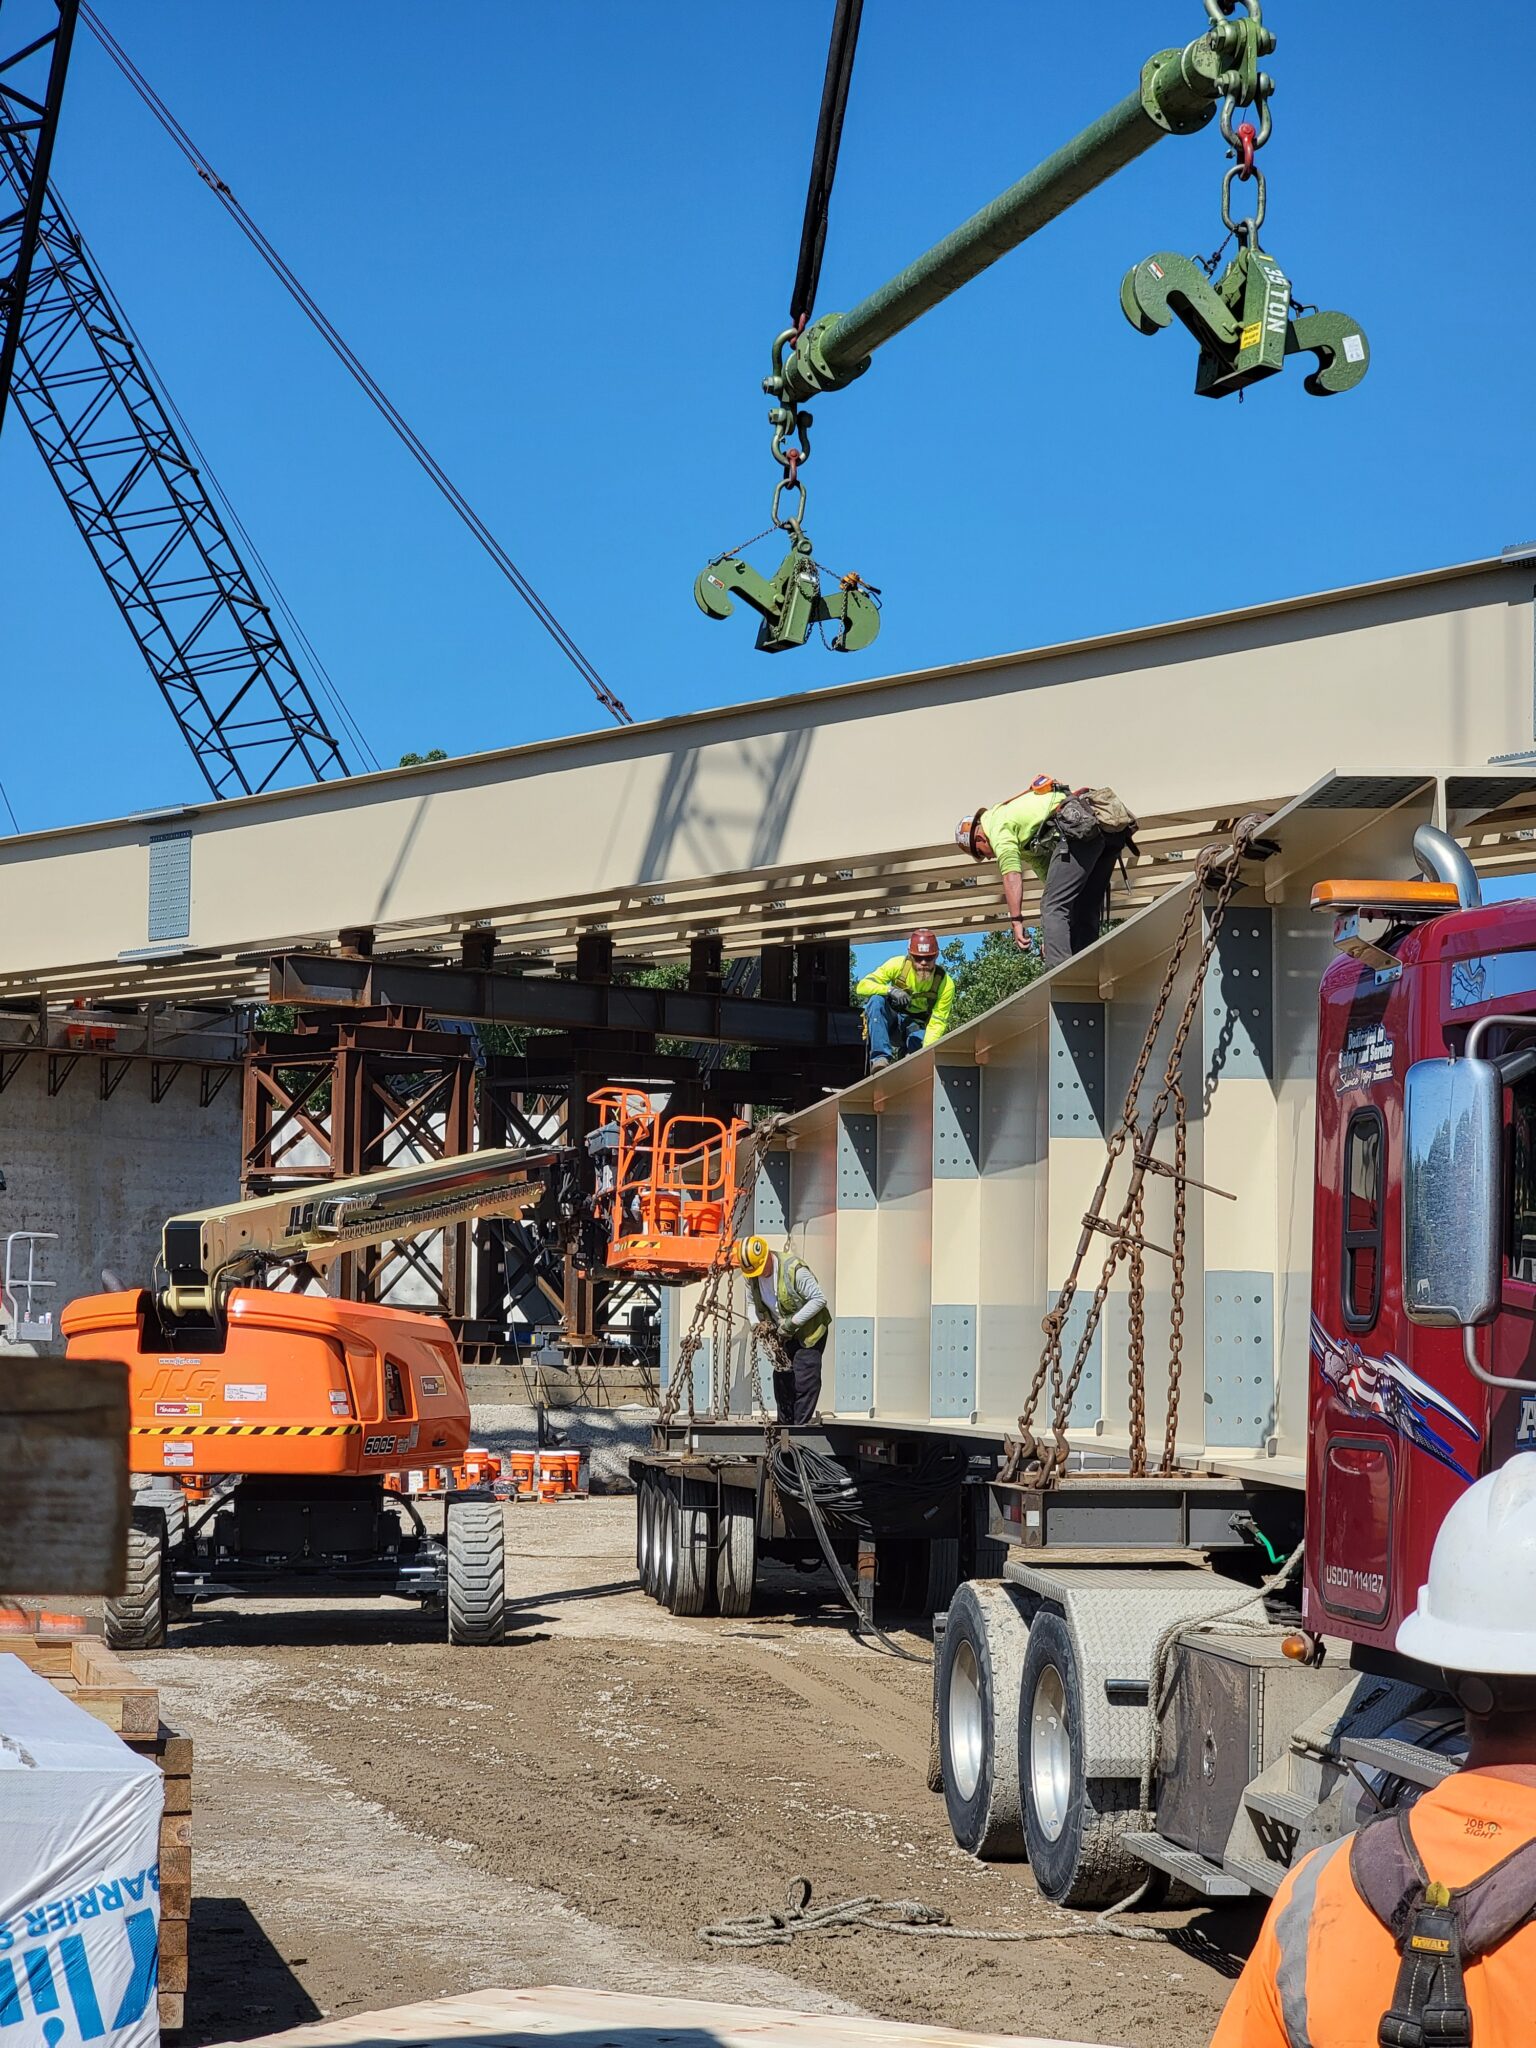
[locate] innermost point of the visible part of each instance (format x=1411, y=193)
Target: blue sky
x=563, y=235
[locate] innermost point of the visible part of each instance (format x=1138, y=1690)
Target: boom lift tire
x=135, y=1618
x=981, y=1662
x=1074, y=1825
x=736, y=1553
x=693, y=1576
x=477, y=1580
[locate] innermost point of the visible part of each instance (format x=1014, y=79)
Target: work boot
x=880, y=1060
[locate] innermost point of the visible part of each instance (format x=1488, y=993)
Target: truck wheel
x=736, y=1558
x=981, y=1658
x=135, y=1618
x=477, y=1573
x=693, y=1577
x=943, y=1574
x=1074, y=1825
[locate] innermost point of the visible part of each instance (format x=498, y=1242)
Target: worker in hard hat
x=908, y=1001
x=1418, y=1928
x=1076, y=868
x=786, y=1298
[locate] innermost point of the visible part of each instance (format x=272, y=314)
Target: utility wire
x=829, y=135
x=8, y=811
x=353, y=364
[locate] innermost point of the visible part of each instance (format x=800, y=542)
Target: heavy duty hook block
x=1243, y=323
x=790, y=603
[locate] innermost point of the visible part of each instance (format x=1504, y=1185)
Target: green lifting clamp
x=1244, y=323
x=790, y=601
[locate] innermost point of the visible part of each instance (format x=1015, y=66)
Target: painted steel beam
x=322, y=981
x=774, y=821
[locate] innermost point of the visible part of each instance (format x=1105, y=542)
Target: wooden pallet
x=96, y=1679
x=620, y=2019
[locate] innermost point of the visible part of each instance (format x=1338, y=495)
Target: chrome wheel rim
x=669, y=1517
x=643, y=1531
x=967, y=1715
x=1050, y=1754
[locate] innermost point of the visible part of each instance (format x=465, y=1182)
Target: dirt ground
x=380, y=1818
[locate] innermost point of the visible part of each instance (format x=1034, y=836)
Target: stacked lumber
x=86, y=1671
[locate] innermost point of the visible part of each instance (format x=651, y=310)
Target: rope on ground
x=798, y=1919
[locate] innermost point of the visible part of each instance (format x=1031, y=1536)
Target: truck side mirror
x=1452, y=1191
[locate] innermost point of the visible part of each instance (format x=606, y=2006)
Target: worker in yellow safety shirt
x=1076, y=867
x=908, y=1001
x=785, y=1296
x=1418, y=1929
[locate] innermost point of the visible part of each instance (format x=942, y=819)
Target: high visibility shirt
x=787, y=1291
x=1011, y=827
x=934, y=1001
x=1325, y=1969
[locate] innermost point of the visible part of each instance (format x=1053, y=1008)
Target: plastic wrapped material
x=79, y=1878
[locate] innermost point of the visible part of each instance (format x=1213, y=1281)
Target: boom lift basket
x=670, y=1201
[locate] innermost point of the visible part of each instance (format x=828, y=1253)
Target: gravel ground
x=608, y=1436
x=380, y=1818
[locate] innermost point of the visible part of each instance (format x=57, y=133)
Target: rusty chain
x=1136, y=1336
x=1176, y=1288
x=1029, y=1454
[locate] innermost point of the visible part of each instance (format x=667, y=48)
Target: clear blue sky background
x=563, y=235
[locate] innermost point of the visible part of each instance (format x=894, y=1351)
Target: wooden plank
x=175, y=1867
x=552, y=2012
x=175, y=1832
x=49, y=1657
x=124, y=1712
x=63, y=1450
x=173, y=2009
x=172, y=1752
x=173, y=1969
x=173, y=1941
x=92, y=1663
x=175, y=1899
x=178, y=1795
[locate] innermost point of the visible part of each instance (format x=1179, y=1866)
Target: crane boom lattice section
x=143, y=509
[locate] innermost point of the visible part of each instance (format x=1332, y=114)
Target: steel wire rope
x=356, y=368
x=829, y=134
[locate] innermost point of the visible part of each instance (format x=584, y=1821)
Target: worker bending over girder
x=1071, y=839
x=786, y=1298
x=1418, y=1930
x=908, y=1001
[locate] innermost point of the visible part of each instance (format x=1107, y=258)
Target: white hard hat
x=1478, y=1612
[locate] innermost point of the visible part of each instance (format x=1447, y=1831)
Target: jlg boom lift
x=285, y=1413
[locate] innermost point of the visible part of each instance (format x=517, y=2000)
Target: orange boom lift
x=264, y=1424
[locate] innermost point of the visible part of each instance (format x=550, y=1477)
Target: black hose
x=864, y=1625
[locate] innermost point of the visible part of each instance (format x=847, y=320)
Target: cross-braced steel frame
x=82, y=384
x=31, y=88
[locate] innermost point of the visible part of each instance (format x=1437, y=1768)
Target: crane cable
x=354, y=366
x=829, y=135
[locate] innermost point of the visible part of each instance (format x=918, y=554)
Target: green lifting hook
x=1244, y=323
x=790, y=601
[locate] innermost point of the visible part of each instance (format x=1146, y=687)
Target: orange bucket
x=522, y=1464
x=666, y=1210
x=706, y=1219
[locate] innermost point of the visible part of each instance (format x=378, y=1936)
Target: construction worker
x=786, y=1298
x=1076, y=870
x=908, y=1001
x=1418, y=1928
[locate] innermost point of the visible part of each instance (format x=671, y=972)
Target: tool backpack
x=1088, y=814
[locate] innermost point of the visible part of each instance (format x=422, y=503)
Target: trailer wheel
x=135, y=1618
x=669, y=1510
x=736, y=1557
x=1074, y=1825
x=477, y=1573
x=643, y=1531
x=693, y=1575
x=981, y=1658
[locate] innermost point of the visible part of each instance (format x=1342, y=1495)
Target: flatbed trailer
x=1188, y=1675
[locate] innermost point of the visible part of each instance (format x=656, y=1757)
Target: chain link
x=1217, y=869
x=1241, y=44
x=1176, y=1289
x=1136, y=1341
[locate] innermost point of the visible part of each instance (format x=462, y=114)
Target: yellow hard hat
x=750, y=1256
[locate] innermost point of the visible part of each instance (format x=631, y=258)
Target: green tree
x=420, y=760
x=997, y=968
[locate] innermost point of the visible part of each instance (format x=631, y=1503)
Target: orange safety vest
x=1325, y=1970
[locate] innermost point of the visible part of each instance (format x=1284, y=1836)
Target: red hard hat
x=924, y=946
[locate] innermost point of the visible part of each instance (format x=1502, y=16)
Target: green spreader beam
x=1244, y=321
x=1178, y=95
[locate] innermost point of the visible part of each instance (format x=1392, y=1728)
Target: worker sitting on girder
x=908, y=1001
x=786, y=1298
x=1071, y=840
